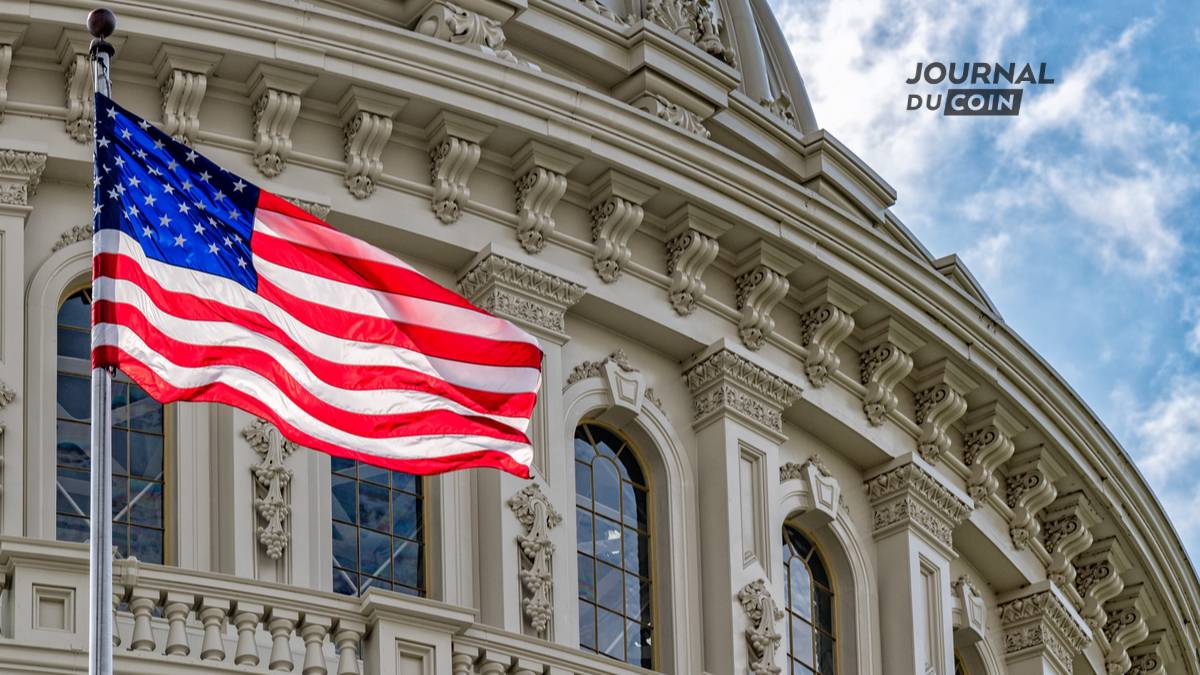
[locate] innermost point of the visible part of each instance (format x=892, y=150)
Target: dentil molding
x=272, y=499
x=616, y=210
x=885, y=360
x=723, y=382
x=825, y=320
x=761, y=283
x=453, y=154
x=691, y=247
x=762, y=640
x=367, y=119
x=520, y=293
x=541, y=182
x=537, y=515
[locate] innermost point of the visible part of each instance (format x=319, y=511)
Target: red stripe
x=278, y=204
x=218, y=392
x=188, y=306
x=427, y=423
x=354, y=271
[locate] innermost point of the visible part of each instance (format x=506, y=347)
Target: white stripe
x=224, y=334
x=391, y=306
x=264, y=391
x=323, y=238
x=498, y=379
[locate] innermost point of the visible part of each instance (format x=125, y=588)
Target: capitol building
x=776, y=436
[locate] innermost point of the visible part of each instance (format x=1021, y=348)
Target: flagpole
x=101, y=23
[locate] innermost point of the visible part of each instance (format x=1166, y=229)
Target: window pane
x=146, y=456
x=637, y=598
x=145, y=414
x=608, y=488
x=74, y=488
x=344, y=501
x=373, y=507
x=345, y=546
x=74, y=444
x=583, y=484
x=74, y=398
x=633, y=642
x=408, y=564
x=608, y=541
x=146, y=544
x=76, y=311
x=583, y=532
x=825, y=655
x=587, y=578
x=609, y=587
x=72, y=528
x=802, y=642
x=376, y=551
x=824, y=610
x=799, y=589
x=378, y=529
x=341, y=465
x=610, y=629
x=74, y=344
x=406, y=515
x=587, y=626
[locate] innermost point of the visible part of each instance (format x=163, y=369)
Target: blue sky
x=1080, y=217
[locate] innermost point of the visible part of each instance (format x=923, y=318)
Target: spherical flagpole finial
x=101, y=23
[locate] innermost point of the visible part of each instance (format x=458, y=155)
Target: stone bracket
x=542, y=181
x=1151, y=656
x=762, y=271
x=1126, y=626
x=826, y=318
x=884, y=360
x=616, y=209
x=454, y=150
x=941, y=392
x=366, y=119
x=988, y=443
x=72, y=51
x=1029, y=488
x=1066, y=532
x=691, y=247
x=182, y=75
x=1098, y=579
x=10, y=39
x=275, y=93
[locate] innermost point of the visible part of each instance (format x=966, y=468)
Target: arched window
x=378, y=529
x=959, y=667
x=810, y=607
x=613, y=534
x=139, y=477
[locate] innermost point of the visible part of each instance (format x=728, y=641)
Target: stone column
x=1042, y=631
x=739, y=426
x=915, y=513
x=537, y=301
x=20, y=172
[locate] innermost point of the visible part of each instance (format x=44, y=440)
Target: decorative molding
x=596, y=368
x=1066, y=532
x=1041, y=623
x=1150, y=657
x=695, y=21
x=725, y=383
x=276, y=95
x=1126, y=626
x=542, y=181
x=662, y=108
x=272, y=494
x=366, y=119
x=535, y=512
x=7, y=396
x=616, y=210
x=74, y=235
x=761, y=283
x=884, y=360
x=182, y=75
x=6, y=52
x=910, y=496
x=1098, y=579
x=520, y=293
x=940, y=401
x=823, y=493
x=446, y=21
x=781, y=107
x=691, y=247
x=72, y=50
x=20, y=173
x=313, y=208
x=794, y=471
x=762, y=639
x=988, y=443
x=1029, y=487
x=601, y=9
x=969, y=615
x=453, y=153
x=825, y=320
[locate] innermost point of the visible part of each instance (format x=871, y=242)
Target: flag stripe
x=461, y=452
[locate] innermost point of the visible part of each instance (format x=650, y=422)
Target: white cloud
x=988, y=258
x=1167, y=433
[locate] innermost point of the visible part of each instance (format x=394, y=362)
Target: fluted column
x=1042, y=631
x=20, y=173
x=915, y=512
x=738, y=423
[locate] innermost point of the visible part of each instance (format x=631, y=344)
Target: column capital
x=530, y=297
x=907, y=494
x=723, y=382
x=20, y=173
x=1039, y=623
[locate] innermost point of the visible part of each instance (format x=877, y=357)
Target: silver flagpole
x=101, y=23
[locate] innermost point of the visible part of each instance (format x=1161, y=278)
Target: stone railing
x=170, y=620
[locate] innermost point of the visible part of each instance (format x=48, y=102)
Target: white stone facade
x=644, y=187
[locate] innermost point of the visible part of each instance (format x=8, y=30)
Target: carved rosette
x=671, y=113
x=724, y=383
x=695, y=21
x=762, y=613
x=521, y=293
x=273, y=115
x=537, y=515
x=20, y=173
x=1126, y=627
x=74, y=235
x=987, y=443
x=1041, y=623
x=453, y=154
x=909, y=496
x=1066, y=532
x=272, y=499
x=1098, y=579
x=1029, y=488
x=883, y=362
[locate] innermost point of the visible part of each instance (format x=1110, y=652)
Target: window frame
x=833, y=633
x=656, y=629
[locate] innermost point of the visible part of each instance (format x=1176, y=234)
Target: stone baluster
x=346, y=637
x=463, y=659
x=494, y=664
x=118, y=593
x=246, y=619
x=281, y=625
x=176, y=609
x=213, y=612
x=142, y=603
x=523, y=666
x=313, y=633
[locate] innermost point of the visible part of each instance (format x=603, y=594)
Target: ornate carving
x=447, y=21
x=272, y=498
x=596, y=368
x=883, y=363
x=20, y=173
x=535, y=512
x=6, y=51
x=7, y=396
x=725, y=383
x=80, y=94
x=314, y=208
x=761, y=637
x=601, y=9
x=453, y=153
x=695, y=21
x=761, y=284
x=1066, y=532
x=274, y=113
x=1126, y=626
x=616, y=213
x=366, y=127
x=781, y=107
x=793, y=471
x=182, y=93
x=969, y=614
x=662, y=108
x=987, y=443
x=1041, y=621
x=1098, y=580
x=541, y=184
x=910, y=496
x=653, y=398
x=688, y=255
x=1029, y=488
x=938, y=406
x=74, y=235
x=1150, y=657
x=520, y=293
x=826, y=321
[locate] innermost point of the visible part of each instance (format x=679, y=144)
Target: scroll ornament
x=537, y=515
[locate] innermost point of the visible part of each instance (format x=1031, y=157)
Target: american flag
x=208, y=288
